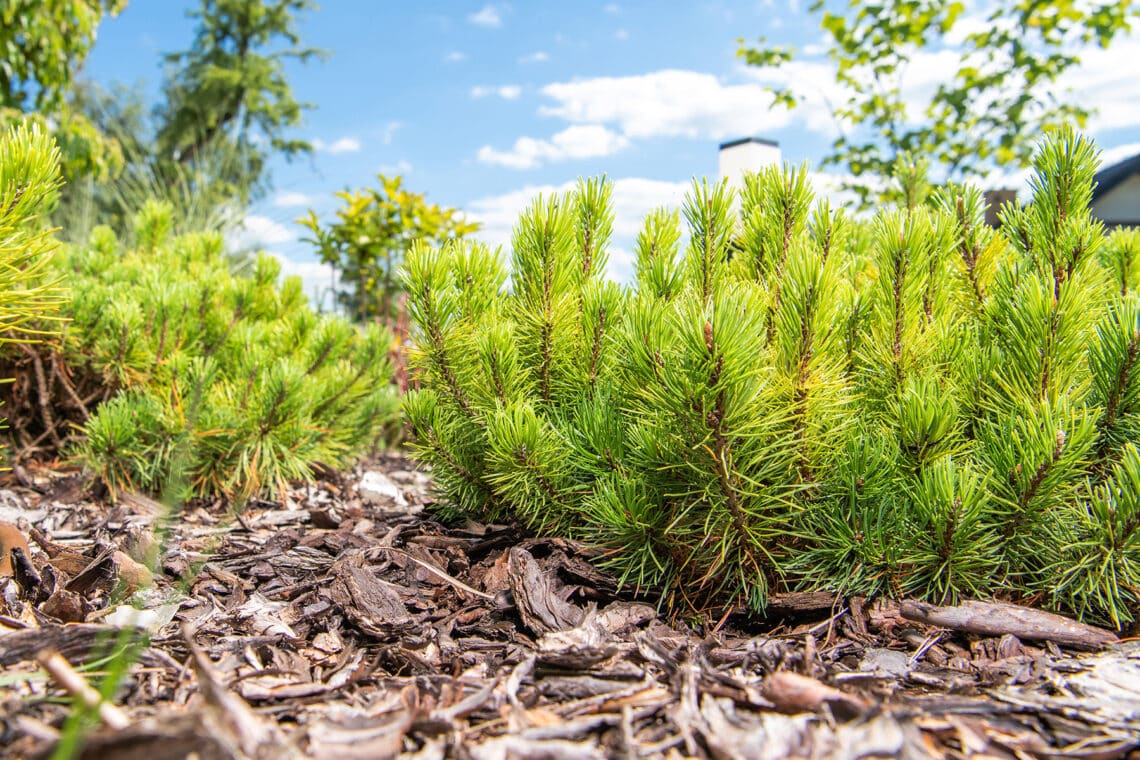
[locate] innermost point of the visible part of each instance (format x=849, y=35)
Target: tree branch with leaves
x=1002, y=91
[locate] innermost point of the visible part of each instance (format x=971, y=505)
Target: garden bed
x=346, y=621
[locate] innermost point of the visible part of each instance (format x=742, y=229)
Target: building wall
x=1121, y=205
x=745, y=157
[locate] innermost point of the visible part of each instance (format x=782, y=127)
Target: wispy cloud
x=390, y=132
x=579, y=141
x=487, y=16
x=286, y=199
x=506, y=91
x=257, y=231
x=621, y=35
x=400, y=167
x=612, y=8
x=343, y=145
x=538, y=56
x=455, y=56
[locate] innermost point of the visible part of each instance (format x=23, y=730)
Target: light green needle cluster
x=29, y=188
x=912, y=404
x=30, y=294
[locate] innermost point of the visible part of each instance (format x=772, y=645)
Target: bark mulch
x=346, y=621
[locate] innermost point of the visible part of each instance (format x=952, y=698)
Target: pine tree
x=912, y=405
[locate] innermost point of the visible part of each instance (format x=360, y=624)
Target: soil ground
x=346, y=621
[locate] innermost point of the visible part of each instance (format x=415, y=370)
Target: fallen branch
x=999, y=618
x=802, y=601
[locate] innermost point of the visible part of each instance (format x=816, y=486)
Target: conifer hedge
x=790, y=398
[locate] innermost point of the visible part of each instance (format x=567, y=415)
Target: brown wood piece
x=1000, y=618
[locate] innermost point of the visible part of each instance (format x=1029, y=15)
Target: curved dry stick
x=75, y=685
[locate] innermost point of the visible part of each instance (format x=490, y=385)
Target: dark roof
x=743, y=140
x=1107, y=179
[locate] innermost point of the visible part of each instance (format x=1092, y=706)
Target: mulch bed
x=347, y=622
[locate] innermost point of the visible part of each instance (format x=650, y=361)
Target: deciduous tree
x=1002, y=91
x=370, y=236
x=43, y=44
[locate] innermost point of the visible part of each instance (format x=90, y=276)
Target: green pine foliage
x=29, y=190
x=789, y=398
x=201, y=382
x=30, y=295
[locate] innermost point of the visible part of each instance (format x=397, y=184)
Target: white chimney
x=746, y=156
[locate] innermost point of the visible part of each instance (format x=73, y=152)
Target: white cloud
x=621, y=265
x=612, y=8
x=455, y=56
x=578, y=141
x=286, y=199
x=343, y=145
x=538, y=56
x=487, y=16
x=390, y=131
x=621, y=35
x=667, y=103
x=256, y=231
x=830, y=186
x=1106, y=80
x=1116, y=154
x=506, y=91
x=317, y=279
x=400, y=167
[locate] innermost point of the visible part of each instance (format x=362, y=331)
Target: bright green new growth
x=916, y=405
x=213, y=383
x=29, y=186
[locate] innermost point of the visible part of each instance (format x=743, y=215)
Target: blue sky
x=483, y=105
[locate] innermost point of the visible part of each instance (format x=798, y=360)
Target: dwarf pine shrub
x=186, y=379
x=790, y=398
x=29, y=187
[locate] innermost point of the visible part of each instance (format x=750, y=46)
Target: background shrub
x=179, y=374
